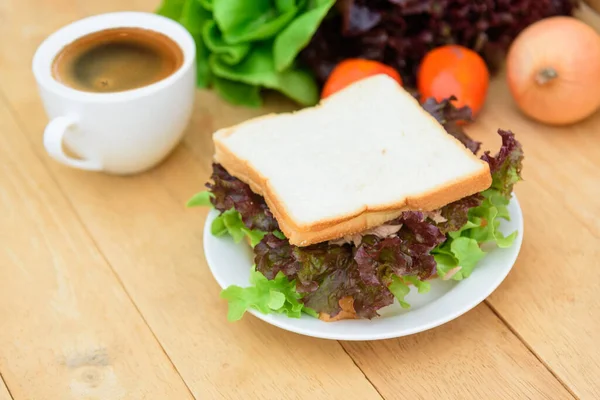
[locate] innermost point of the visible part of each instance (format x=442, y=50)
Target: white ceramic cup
x=123, y=132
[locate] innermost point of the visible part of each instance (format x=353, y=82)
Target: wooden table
x=105, y=293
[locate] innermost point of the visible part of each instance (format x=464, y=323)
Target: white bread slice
x=357, y=160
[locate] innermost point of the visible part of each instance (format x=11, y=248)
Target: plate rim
x=401, y=332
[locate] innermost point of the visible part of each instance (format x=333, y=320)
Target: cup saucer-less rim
x=227, y=260
x=53, y=44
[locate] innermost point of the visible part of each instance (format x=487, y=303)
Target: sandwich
x=350, y=203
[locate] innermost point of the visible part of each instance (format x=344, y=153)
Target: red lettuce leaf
x=451, y=118
x=229, y=192
x=401, y=255
x=327, y=273
x=400, y=32
x=457, y=213
x=324, y=273
x=506, y=165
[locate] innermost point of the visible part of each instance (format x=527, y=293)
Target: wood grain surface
x=4, y=395
x=550, y=298
x=105, y=293
x=69, y=330
x=443, y=360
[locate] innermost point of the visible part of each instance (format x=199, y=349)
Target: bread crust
x=368, y=216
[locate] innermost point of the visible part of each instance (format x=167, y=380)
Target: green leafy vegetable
x=218, y=228
x=192, y=16
x=201, y=199
x=258, y=69
x=233, y=15
x=237, y=93
x=245, y=46
x=279, y=235
x=486, y=218
x=171, y=8
x=446, y=262
x=459, y=257
x=265, y=26
x=462, y=251
x=297, y=34
x=422, y=286
x=231, y=222
x=399, y=289
x=284, y=5
x=228, y=222
x=208, y=4
x=267, y=296
x=229, y=54
x=467, y=253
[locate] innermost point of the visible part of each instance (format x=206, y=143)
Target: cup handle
x=53, y=141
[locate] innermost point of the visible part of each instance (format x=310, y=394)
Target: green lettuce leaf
x=230, y=222
x=422, y=286
x=285, y=5
x=399, y=289
x=248, y=21
x=201, y=199
x=218, y=228
x=279, y=235
x=230, y=54
x=298, y=33
x=193, y=17
x=233, y=14
x=487, y=217
x=266, y=296
x=207, y=4
x=446, y=262
x=244, y=46
x=462, y=251
x=467, y=253
x=171, y=9
x=258, y=69
x=237, y=93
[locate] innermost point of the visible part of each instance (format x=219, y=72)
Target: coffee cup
x=121, y=132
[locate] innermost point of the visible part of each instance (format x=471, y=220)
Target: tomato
x=454, y=70
x=354, y=69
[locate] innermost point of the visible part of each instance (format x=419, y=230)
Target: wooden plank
x=175, y=280
x=154, y=244
x=4, y=394
x=550, y=298
x=473, y=357
x=164, y=246
x=68, y=329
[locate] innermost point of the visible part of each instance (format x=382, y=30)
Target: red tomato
x=454, y=70
x=354, y=69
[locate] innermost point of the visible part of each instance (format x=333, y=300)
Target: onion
x=553, y=70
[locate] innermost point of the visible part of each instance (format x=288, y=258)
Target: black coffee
x=115, y=60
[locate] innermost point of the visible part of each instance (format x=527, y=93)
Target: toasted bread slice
x=357, y=160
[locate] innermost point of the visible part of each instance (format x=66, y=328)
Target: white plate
x=230, y=264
